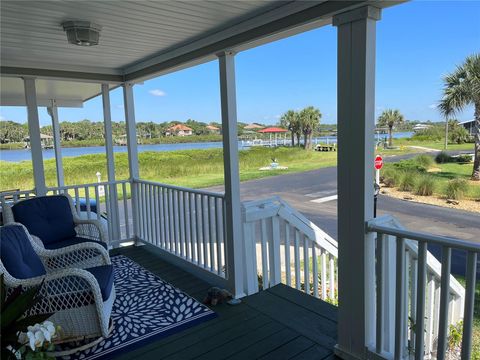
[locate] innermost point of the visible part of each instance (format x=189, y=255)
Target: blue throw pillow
x=17, y=254
x=48, y=217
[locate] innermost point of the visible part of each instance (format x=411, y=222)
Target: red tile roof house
x=179, y=130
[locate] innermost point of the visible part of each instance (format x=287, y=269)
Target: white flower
x=37, y=335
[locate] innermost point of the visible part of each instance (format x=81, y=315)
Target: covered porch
x=380, y=273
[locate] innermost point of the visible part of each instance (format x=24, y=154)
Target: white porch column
x=128, y=103
x=34, y=133
x=107, y=124
x=53, y=111
x=356, y=257
x=233, y=213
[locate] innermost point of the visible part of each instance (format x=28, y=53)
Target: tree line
x=302, y=123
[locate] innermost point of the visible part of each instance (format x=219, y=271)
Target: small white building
x=420, y=127
x=469, y=125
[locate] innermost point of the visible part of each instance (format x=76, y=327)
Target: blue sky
x=417, y=43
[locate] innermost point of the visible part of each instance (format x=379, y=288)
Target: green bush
x=442, y=158
x=390, y=177
x=407, y=181
x=424, y=161
x=456, y=189
x=425, y=185
x=410, y=165
x=463, y=158
x=433, y=133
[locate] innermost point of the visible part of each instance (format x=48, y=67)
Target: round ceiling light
x=82, y=33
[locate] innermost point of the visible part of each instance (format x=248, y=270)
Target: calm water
x=21, y=155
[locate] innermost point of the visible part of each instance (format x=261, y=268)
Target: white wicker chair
x=91, y=229
x=72, y=294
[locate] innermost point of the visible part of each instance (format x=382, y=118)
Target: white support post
x=53, y=111
x=34, y=133
x=132, y=150
x=234, y=238
x=107, y=125
x=356, y=251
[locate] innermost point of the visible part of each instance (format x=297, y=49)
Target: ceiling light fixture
x=82, y=33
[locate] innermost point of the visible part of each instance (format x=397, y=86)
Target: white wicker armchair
x=88, y=231
x=74, y=295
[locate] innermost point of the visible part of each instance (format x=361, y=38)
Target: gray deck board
x=278, y=323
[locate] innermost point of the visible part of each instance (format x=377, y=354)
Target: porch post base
x=346, y=355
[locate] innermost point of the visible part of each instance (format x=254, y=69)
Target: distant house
x=213, y=129
x=46, y=141
x=469, y=125
x=253, y=126
x=179, y=130
x=420, y=127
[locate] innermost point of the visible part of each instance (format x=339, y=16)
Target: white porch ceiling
x=132, y=30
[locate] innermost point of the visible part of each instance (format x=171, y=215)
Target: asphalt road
x=301, y=188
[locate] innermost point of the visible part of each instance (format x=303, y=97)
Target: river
x=24, y=154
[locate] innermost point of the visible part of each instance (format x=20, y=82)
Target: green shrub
x=424, y=161
x=425, y=185
x=433, y=133
x=407, y=181
x=456, y=189
x=410, y=165
x=442, y=158
x=463, y=158
x=389, y=177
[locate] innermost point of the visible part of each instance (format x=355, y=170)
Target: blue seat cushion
x=83, y=204
x=17, y=254
x=48, y=217
x=72, y=241
x=104, y=276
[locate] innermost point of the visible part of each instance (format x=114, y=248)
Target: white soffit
x=65, y=93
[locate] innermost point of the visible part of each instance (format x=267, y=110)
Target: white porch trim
x=356, y=99
x=34, y=133
x=107, y=124
x=53, y=111
x=128, y=103
x=233, y=213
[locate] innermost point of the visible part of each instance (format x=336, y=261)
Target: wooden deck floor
x=279, y=323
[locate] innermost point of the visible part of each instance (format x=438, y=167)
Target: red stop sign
x=378, y=162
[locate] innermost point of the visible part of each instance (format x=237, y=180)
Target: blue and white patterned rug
x=146, y=309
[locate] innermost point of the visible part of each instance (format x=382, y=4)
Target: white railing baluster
x=469, y=305
x=430, y=315
x=296, y=250
x=400, y=300
x=275, y=263
x=315, y=270
x=204, y=215
x=306, y=265
x=87, y=201
x=199, y=229
x=379, y=291
x=324, y=274
x=211, y=239
x=332, y=276
x=97, y=200
x=125, y=210
x=444, y=303
x=218, y=232
x=288, y=263
x=156, y=217
x=420, y=305
x=265, y=275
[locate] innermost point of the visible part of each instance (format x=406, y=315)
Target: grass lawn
x=190, y=168
x=439, y=145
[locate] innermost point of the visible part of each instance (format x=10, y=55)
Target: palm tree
x=309, y=121
x=390, y=118
x=290, y=120
x=462, y=88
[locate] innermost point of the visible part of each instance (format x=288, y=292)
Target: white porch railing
x=416, y=297
x=185, y=222
x=281, y=245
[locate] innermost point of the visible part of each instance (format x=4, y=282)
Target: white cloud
x=432, y=106
x=119, y=106
x=157, y=92
x=278, y=116
x=2, y=118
